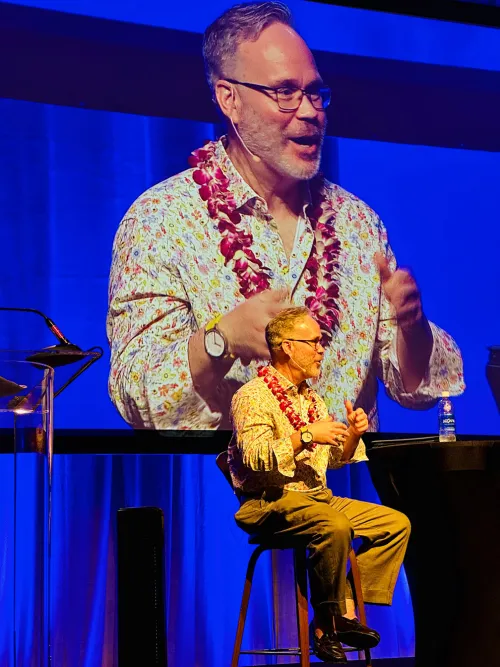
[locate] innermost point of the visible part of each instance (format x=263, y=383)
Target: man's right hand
x=244, y=327
x=328, y=432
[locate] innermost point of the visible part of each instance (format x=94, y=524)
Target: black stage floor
x=387, y=662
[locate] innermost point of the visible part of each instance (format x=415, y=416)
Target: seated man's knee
x=401, y=523
x=335, y=526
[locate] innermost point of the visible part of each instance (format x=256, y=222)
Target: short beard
x=303, y=171
x=262, y=142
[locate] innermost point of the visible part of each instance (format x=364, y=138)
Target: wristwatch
x=215, y=342
x=305, y=435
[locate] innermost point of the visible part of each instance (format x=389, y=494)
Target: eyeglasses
x=289, y=98
x=314, y=342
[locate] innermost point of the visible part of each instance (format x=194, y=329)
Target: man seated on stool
x=284, y=440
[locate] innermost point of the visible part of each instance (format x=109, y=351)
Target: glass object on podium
x=26, y=434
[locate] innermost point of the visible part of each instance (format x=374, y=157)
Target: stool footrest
x=273, y=651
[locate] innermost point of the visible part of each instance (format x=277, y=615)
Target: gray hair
x=241, y=23
x=280, y=326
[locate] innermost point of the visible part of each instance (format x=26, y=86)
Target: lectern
x=26, y=397
x=26, y=437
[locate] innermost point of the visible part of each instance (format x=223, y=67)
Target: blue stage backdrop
x=67, y=176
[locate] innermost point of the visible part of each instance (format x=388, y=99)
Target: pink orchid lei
x=285, y=403
x=236, y=244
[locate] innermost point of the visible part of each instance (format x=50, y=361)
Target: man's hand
x=328, y=432
x=358, y=420
x=244, y=327
x=402, y=292
x=414, y=339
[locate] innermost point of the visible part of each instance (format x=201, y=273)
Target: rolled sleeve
x=359, y=453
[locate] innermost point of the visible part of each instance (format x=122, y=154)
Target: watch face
x=306, y=437
x=214, y=343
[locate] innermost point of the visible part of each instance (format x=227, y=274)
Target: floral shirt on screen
x=169, y=278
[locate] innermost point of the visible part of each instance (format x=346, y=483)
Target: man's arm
x=414, y=337
x=416, y=360
x=352, y=449
x=150, y=323
x=255, y=437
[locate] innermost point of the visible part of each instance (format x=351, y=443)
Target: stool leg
x=360, y=603
x=300, y=566
x=244, y=605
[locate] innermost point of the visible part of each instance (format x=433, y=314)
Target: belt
x=267, y=494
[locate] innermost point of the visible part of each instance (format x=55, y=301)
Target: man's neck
x=281, y=194
x=295, y=376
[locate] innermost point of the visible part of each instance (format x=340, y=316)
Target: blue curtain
x=66, y=178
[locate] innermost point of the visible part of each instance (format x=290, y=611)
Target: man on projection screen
x=203, y=260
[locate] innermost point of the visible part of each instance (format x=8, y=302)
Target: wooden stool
x=302, y=608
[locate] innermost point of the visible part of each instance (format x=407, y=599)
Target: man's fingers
x=383, y=267
x=348, y=406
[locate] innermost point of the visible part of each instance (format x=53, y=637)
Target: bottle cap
x=445, y=394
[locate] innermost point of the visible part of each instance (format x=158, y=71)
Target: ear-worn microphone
x=297, y=364
x=254, y=157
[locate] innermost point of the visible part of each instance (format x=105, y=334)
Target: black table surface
x=129, y=441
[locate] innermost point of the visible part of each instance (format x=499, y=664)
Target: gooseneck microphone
x=56, y=355
x=62, y=354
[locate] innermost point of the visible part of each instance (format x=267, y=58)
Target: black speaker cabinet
x=141, y=585
x=493, y=373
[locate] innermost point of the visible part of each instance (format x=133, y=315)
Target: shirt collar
x=241, y=191
x=287, y=384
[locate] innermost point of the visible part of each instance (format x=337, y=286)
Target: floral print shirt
x=261, y=455
x=168, y=279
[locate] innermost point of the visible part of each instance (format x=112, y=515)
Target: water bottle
x=446, y=418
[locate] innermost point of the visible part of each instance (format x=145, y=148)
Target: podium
x=27, y=391
x=26, y=399
x=451, y=494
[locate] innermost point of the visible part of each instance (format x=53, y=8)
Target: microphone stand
x=62, y=354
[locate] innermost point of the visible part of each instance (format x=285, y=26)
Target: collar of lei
x=236, y=243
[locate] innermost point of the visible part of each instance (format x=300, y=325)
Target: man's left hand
x=358, y=420
x=402, y=292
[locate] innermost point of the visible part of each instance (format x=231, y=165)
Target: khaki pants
x=327, y=525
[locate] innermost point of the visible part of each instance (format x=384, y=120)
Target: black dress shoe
x=353, y=633
x=328, y=648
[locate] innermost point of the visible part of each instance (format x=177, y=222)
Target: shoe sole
x=328, y=658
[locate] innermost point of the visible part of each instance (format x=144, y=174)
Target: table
x=451, y=494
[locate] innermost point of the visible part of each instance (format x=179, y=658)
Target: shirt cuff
x=444, y=372
x=359, y=453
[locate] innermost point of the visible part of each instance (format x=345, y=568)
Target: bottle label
x=447, y=423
